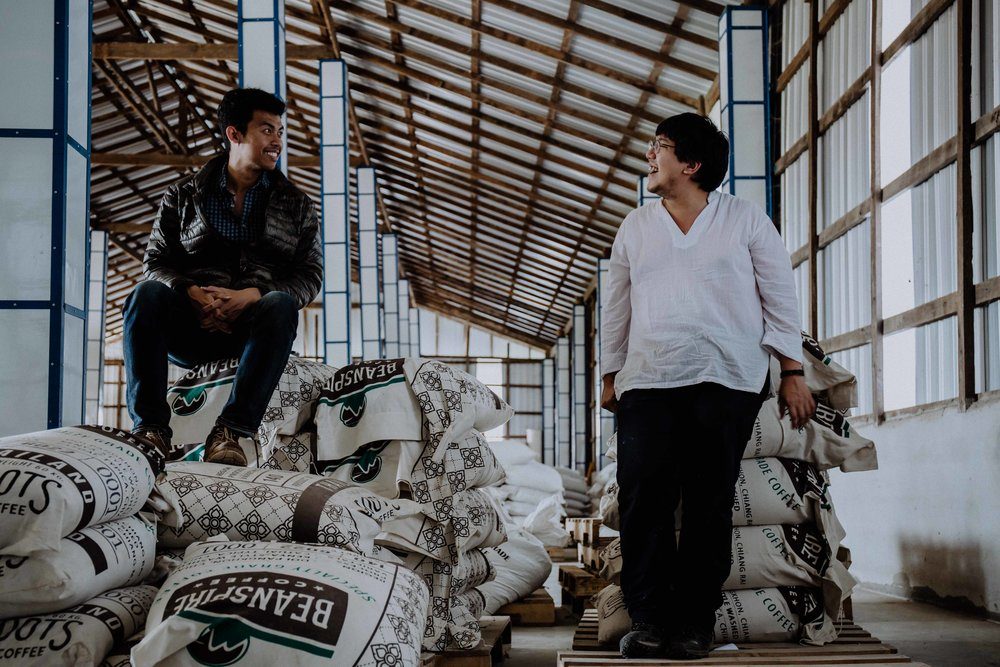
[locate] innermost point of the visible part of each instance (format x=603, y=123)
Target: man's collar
x=263, y=182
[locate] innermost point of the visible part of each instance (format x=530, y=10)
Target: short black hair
x=238, y=105
x=697, y=139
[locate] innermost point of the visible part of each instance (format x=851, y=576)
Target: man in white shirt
x=700, y=294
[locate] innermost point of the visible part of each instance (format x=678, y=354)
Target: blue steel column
x=390, y=294
x=371, y=290
x=96, y=301
x=564, y=403
x=44, y=212
x=744, y=103
x=261, y=27
x=334, y=159
x=548, y=410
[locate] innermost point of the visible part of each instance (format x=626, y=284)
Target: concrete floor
x=923, y=632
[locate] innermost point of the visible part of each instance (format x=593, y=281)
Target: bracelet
x=794, y=371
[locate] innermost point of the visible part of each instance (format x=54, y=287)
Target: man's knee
x=148, y=294
x=279, y=307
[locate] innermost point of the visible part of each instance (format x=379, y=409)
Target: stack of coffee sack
x=413, y=429
x=789, y=574
x=74, y=547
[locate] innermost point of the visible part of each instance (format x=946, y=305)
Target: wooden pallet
x=491, y=651
x=562, y=554
x=537, y=609
x=590, y=555
x=579, y=583
x=854, y=646
x=584, y=531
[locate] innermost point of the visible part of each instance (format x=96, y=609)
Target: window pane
x=986, y=244
x=858, y=360
x=921, y=365
x=795, y=204
x=843, y=164
x=987, y=325
x=845, y=283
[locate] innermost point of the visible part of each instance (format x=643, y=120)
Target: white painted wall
x=930, y=516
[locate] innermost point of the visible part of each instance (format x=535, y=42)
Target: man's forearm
x=787, y=364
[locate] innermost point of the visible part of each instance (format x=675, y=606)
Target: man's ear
x=234, y=135
x=692, y=168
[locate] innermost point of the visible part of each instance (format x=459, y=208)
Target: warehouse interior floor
x=924, y=632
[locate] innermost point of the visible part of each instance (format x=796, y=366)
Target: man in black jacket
x=234, y=253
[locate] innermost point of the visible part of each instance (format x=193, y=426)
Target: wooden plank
x=924, y=169
x=537, y=609
x=813, y=156
x=571, y=659
x=988, y=291
x=846, y=340
x=844, y=224
x=158, y=159
x=492, y=649
x=562, y=554
x=580, y=583
x=920, y=24
x=932, y=311
x=963, y=147
x=875, y=332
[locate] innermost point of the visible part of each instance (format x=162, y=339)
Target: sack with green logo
x=88, y=562
x=80, y=635
x=261, y=603
x=196, y=401
x=827, y=440
x=835, y=385
x=208, y=499
x=363, y=403
x=57, y=482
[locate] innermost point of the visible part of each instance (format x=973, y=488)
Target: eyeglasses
x=655, y=145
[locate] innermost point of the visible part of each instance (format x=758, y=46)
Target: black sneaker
x=690, y=644
x=644, y=641
x=156, y=436
x=222, y=446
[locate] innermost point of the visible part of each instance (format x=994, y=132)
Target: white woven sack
x=196, y=400
x=835, y=385
x=544, y=523
x=521, y=566
x=88, y=562
x=267, y=604
x=53, y=483
x=536, y=476
x=81, y=635
x=827, y=440
x=271, y=505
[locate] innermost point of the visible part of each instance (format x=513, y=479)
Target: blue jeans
x=161, y=322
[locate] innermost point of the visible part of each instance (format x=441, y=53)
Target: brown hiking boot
x=156, y=436
x=222, y=446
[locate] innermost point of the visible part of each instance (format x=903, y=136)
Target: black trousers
x=676, y=445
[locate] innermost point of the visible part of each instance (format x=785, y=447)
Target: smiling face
x=260, y=146
x=667, y=175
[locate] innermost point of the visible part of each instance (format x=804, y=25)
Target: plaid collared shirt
x=220, y=202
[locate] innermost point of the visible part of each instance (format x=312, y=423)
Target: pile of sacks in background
x=789, y=574
x=234, y=565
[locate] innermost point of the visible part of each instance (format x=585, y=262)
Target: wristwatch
x=793, y=371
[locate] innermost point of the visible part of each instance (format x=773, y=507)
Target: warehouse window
x=914, y=213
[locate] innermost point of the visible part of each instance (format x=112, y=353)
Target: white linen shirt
x=708, y=306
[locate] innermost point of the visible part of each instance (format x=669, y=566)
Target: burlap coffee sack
x=782, y=614
x=827, y=440
x=197, y=399
x=521, y=565
x=80, y=635
x=452, y=403
x=769, y=556
x=474, y=523
x=784, y=492
x=835, y=385
x=57, y=482
x=261, y=603
x=121, y=654
x=88, y=562
x=271, y=505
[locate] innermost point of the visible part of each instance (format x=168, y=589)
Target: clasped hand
x=219, y=307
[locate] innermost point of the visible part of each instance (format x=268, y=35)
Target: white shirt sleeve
x=616, y=308
x=776, y=284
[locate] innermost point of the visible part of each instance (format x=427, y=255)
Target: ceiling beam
x=157, y=159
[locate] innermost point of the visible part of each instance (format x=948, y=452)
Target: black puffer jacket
x=184, y=249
